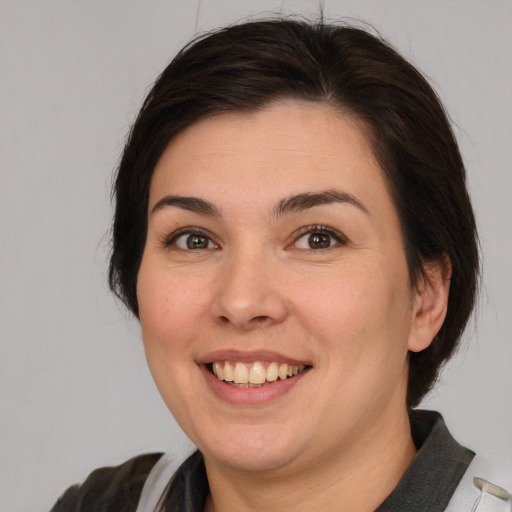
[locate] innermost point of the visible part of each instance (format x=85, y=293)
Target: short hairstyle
x=245, y=67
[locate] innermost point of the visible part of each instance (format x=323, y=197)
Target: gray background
x=75, y=391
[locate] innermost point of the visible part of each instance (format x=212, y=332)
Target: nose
x=249, y=293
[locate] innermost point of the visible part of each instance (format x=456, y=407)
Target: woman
x=294, y=233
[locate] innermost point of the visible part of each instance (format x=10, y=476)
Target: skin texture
x=347, y=310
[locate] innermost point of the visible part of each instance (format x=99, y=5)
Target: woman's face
x=273, y=248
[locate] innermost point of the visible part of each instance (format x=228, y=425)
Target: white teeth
x=257, y=374
x=254, y=374
x=241, y=374
x=272, y=372
x=218, y=371
x=228, y=372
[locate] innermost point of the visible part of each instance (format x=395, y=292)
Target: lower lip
x=250, y=396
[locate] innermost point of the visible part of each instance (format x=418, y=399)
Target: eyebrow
x=292, y=204
x=192, y=204
x=308, y=200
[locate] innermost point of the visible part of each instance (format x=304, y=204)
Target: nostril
x=256, y=320
x=260, y=319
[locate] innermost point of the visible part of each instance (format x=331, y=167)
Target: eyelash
x=187, y=231
x=338, y=238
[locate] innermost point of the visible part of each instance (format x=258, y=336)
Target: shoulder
x=109, y=488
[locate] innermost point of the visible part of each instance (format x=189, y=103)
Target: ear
x=430, y=303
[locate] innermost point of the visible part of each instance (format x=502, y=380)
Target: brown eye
x=197, y=242
x=319, y=240
x=318, y=237
x=193, y=241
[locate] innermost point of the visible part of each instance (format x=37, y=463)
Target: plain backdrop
x=75, y=390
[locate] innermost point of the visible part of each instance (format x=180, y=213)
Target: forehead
x=284, y=148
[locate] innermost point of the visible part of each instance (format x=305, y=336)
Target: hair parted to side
x=246, y=66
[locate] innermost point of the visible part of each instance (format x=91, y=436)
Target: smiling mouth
x=254, y=375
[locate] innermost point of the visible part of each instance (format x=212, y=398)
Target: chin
x=252, y=451
x=251, y=460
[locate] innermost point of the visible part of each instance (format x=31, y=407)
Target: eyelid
x=168, y=240
x=339, y=237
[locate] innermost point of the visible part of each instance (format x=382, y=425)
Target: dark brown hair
x=246, y=66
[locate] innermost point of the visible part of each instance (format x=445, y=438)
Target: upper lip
x=250, y=357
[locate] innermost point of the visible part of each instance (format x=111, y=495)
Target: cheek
x=347, y=302
x=169, y=313
x=171, y=308
x=362, y=317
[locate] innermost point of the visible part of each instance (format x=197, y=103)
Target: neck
x=360, y=476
